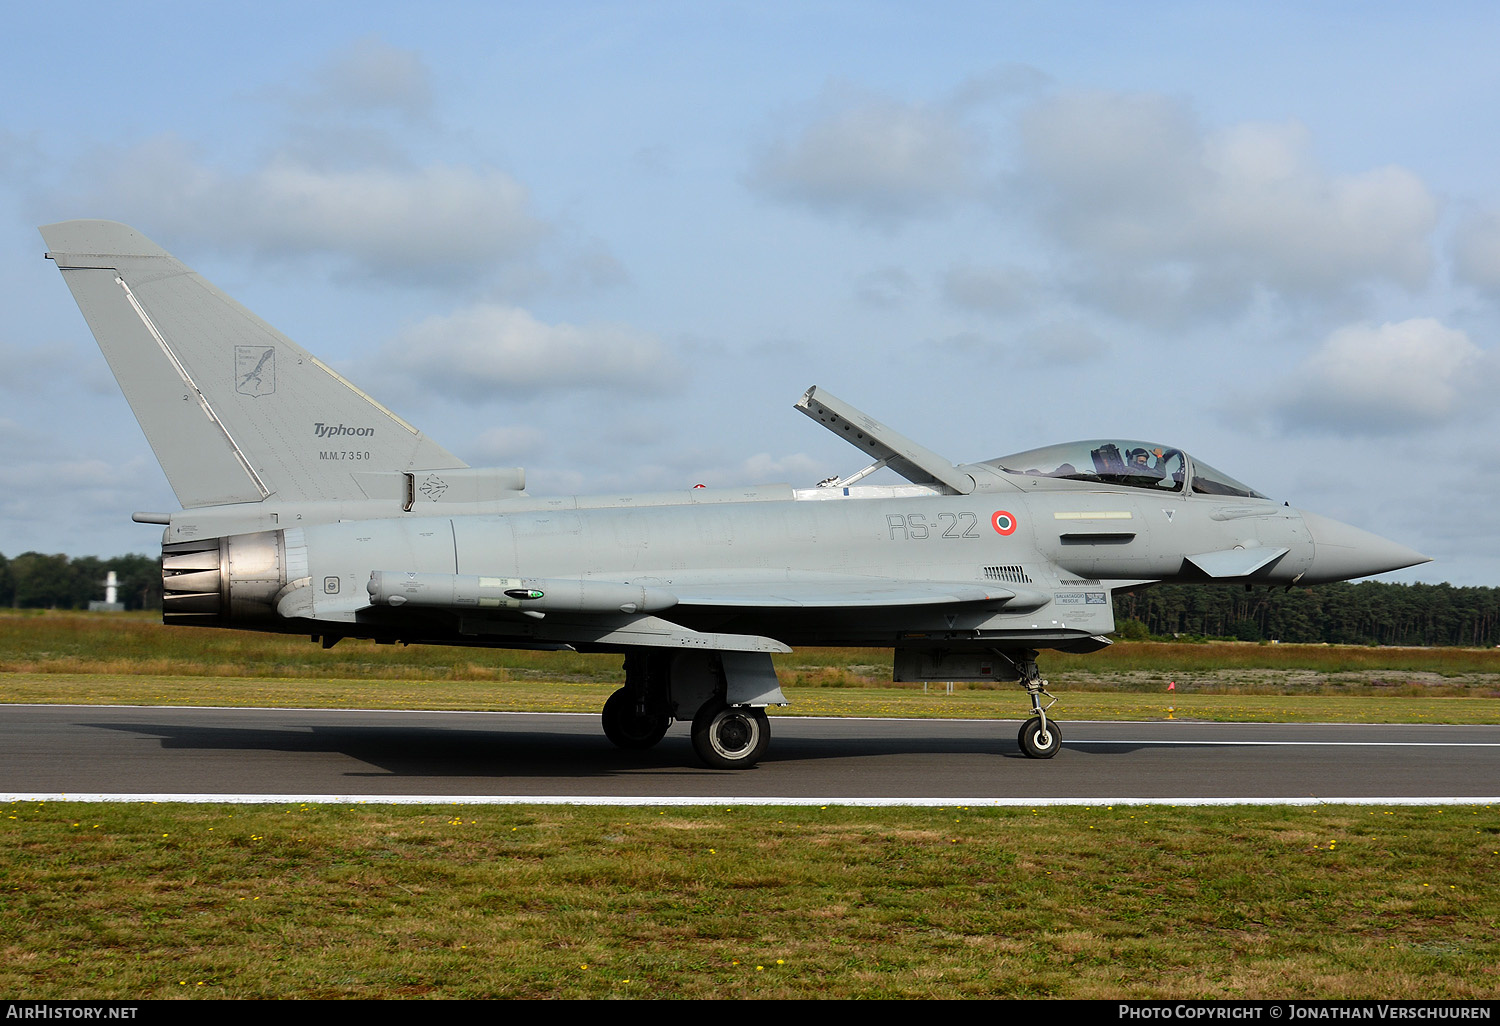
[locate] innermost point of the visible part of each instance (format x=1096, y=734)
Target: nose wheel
x=1039, y=738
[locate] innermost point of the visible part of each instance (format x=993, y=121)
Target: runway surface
x=100, y=752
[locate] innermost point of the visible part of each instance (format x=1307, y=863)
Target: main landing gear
x=637, y=716
x=660, y=687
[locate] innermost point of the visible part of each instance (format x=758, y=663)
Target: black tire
x=627, y=729
x=731, y=736
x=1036, y=743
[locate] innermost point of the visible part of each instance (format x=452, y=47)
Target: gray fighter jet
x=309, y=508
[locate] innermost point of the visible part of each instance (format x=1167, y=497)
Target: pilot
x=1141, y=466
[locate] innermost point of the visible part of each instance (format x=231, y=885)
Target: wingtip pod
x=80, y=243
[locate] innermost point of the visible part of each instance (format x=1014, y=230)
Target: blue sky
x=615, y=242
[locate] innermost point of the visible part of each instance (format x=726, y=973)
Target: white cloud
x=876, y=158
x=1476, y=251
x=1133, y=186
x=1062, y=341
x=1387, y=379
x=372, y=75
x=491, y=348
x=29, y=370
x=994, y=290
x=1112, y=169
x=504, y=446
x=886, y=288
x=592, y=266
x=1270, y=206
x=39, y=487
x=369, y=104
x=801, y=470
x=338, y=177
x=1143, y=211
x=451, y=219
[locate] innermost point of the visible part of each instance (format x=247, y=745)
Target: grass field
x=155, y=901
x=133, y=659
x=137, y=901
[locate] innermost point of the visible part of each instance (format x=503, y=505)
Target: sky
x=614, y=242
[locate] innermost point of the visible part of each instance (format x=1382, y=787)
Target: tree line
x=1367, y=613
x=34, y=580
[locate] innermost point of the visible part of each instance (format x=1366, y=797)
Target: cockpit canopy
x=1118, y=462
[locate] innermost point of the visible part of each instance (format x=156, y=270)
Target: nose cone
x=1342, y=553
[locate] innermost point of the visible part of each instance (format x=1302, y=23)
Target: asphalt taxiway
x=242, y=754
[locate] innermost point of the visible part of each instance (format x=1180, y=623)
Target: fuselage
x=1046, y=555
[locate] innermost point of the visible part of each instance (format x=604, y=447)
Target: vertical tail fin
x=234, y=410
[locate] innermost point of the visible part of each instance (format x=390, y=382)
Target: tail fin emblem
x=254, y=370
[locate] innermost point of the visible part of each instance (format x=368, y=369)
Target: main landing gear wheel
x=627, y=728
x=731, y=736
x=1039, y=741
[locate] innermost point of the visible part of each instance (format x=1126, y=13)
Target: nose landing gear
x=1040, y=736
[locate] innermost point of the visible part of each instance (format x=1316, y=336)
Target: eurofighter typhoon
x=309, y=508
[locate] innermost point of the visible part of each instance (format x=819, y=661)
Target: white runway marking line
x=1297, y=744
x=637, y=802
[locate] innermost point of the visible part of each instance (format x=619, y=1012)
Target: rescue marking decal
x=1003, y=522
x=1080, y=598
